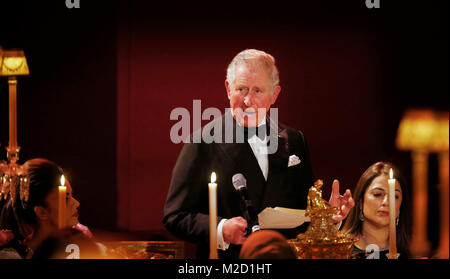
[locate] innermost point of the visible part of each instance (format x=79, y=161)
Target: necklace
x=386, y=247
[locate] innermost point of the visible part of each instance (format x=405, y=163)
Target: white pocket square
x=293, y=160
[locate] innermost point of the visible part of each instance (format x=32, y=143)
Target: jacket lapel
x=278, y=161
x=244, y=161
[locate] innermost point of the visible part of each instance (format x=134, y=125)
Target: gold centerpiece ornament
x=322, y=239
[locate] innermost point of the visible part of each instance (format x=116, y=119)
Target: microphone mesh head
x=239, y=181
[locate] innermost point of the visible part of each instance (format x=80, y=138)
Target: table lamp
x=12, y=64
x=414, y=134
x=439, y=144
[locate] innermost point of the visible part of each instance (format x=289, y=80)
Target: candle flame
x=391, y=174
x=63, y=180
x=213, y=177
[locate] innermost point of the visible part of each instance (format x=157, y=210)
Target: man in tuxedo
x=279, y=176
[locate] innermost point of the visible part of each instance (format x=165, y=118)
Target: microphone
x=240, y=184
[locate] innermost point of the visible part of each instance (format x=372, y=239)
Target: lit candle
x=62, y=203
x=392, y=215
x=213, y=217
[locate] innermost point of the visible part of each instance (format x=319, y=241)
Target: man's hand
x=344, y=203
x=233, y=230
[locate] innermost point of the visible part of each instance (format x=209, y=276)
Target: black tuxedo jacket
x=187, y=205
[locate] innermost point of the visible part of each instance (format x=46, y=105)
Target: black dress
x=357, y=253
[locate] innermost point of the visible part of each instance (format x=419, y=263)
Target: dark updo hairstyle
x=353, y=224
x=18, y=215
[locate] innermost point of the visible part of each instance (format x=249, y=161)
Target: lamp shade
x=14, y=63
x=440, y=138
x=416, y=130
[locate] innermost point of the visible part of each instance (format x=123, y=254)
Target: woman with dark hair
x=369, y=219
x=34, y=219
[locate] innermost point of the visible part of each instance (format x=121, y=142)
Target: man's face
x=251, y=94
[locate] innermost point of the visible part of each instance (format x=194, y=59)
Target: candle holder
x=393, y=256
x=13, y=177
x=322, y=240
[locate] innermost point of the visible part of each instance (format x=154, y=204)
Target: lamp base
x=12, y=153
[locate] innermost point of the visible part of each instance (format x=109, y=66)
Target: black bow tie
x=260, y=131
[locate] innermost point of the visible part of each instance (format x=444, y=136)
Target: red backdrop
x=336, y=87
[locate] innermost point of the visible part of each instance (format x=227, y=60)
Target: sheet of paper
x=281, y=218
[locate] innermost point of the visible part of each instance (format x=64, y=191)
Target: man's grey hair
x=259, y=57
